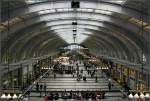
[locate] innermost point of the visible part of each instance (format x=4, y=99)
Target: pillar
x=128, y=78
x=149, y=81
x=0, y=79
x=136, y=80
x=0, y=55
x=20, y=76
x=149, y=47
x=27, y=75
x=149, y=35
x=121, y=74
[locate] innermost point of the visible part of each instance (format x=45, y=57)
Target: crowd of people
x=80, y=74
x=78, y=95
x=76, y=71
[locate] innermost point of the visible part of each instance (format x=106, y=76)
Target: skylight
x=64, y=29
x=46, y=11
x=117, y=1
x=81, y=31
x=74, y=46
x=64, y=9
x=79, y=26
x=103, y=11
x=66, y=34
x=34, y=1
x=85, y=10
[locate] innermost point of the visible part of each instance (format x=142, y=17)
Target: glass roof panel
x=103, y=12
x=116, y=1
x=64, y=9
x=34, y=1
x=112, y=1
x=82, y=22
x=79, y=30
x=95, y=12
x=74, y=46
x=46, y=11
x=85, y=10
x=67, y=35
x=79, y=26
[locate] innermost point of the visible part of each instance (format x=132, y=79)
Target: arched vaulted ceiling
x=32, y=28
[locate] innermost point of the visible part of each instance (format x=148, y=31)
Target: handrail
x=25, y=62
x=31, y=86
x=136, y=66
x=124, y=94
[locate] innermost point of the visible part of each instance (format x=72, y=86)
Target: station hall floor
x=66, y=82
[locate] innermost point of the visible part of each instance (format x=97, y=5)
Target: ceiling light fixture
x=147, y=95
x=14, y=96
x=8, y=96
x=3, y=96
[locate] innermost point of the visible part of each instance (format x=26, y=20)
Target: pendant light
x=14, y=96
x=130, y=95
x=136, y=96
x=142, y=95
x=3, y=96
x=147, y=95
x=8, y=96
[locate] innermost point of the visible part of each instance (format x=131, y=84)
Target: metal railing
x=33, y=84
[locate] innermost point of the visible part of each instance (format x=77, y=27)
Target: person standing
x=54, y=75
x=41, y=87
x=96, y=78
x=45, y=88
x=73, y=74
x=37, y=87
x=84, y=77
x=45, y=98
x=109, y=84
